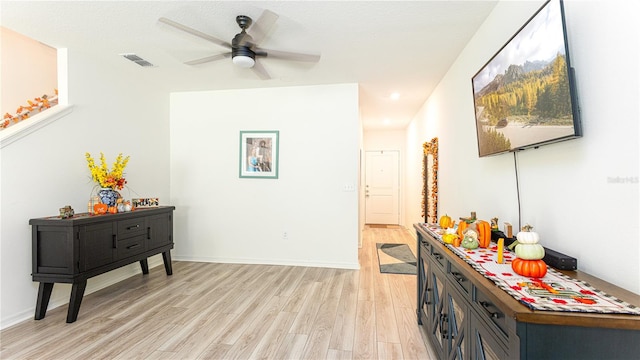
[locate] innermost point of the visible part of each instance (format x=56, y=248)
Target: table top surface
x=520, y=312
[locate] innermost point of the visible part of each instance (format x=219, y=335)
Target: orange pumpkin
x=446, y=222
x=484, y=233
x=457, y=241
x=100, y=208
x=462, y=225
x=529, y=268
x=113, y=210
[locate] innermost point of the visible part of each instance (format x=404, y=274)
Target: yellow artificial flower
x=113, y=179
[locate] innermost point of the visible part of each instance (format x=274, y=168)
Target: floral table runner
x=553, y=292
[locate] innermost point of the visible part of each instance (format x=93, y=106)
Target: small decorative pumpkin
x=446, y=222
x=100, y=208
x=457, y=241
x=112, y=209
x=526, y=236
x=530, y=251
x=449, y=238
x=529, y=268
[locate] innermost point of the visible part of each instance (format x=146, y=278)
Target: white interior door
x=382, y=190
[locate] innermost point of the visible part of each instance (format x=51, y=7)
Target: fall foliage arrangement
x=104, y=177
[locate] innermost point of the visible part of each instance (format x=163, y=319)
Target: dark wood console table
x=75, y=249
x=466, y=316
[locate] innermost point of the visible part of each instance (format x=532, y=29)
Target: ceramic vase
x=108, y=196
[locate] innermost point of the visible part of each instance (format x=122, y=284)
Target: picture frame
x=430, y=181
x=259, y=154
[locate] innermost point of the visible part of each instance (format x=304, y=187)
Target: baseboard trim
x=283, y=262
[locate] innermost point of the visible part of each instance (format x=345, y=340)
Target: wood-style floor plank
x=237, y=311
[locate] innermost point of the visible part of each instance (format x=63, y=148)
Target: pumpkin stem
x=527, y=228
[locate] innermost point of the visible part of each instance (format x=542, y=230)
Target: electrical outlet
x=285, y=235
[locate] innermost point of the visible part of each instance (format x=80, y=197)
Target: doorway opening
x=382, y=187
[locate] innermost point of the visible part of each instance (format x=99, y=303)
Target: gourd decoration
x=529, y=254
x=446, y=222
x=449, y=236
x=470, y=240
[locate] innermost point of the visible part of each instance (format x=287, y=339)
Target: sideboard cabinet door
x=97, y=245
x=485, y=345
x=159, y=230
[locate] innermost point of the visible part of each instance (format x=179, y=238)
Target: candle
x=500, y=250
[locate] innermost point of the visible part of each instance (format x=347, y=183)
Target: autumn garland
x=113, y=179
x=24, y=112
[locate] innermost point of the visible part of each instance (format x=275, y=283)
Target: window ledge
x=33, y=124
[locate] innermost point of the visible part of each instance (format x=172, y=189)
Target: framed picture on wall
x=259, y=154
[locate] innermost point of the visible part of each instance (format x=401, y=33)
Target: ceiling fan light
x=244, y=61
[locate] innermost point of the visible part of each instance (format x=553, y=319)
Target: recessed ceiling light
x=394, y=96
x=386, y=121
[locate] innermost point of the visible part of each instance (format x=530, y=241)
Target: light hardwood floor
x=233, y=311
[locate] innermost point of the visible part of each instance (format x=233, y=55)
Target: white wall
x=223, y=218
x=566, y=189
x=23, y=58
x=117, y=109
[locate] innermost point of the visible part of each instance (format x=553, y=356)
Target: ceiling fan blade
x=261, y=27
x=286, y=55
x=195, y=32
x=208, y=59
x=261, y=71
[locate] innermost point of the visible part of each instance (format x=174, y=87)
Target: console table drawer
x=426, y=247
x=131, y=246
x=489, y=311
x=439, y=258
x=463, y=284
x=131, y=227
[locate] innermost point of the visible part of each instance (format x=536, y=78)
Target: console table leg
x=44, y=294
x=77, y=292
x=166, y=257
x=144, y=264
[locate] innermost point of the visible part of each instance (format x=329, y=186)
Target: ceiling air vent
x=138, y=60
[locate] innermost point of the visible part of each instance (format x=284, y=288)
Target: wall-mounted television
x=525, y=95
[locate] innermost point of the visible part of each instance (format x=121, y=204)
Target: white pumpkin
x=526, y=236
x=529, y=251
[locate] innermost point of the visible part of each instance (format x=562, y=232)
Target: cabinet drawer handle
x=437, y=256
x=133, y=227
x=486, y=305
x=149, y=232
x=444, y=332
x=426, y=291
x=132, y=246
x=114, y=238
x=458, y=276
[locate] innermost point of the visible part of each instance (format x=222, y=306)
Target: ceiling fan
x=245, y=48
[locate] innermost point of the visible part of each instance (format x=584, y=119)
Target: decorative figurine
x=66, y=212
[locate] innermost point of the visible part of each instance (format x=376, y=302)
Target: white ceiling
x=385, y=46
